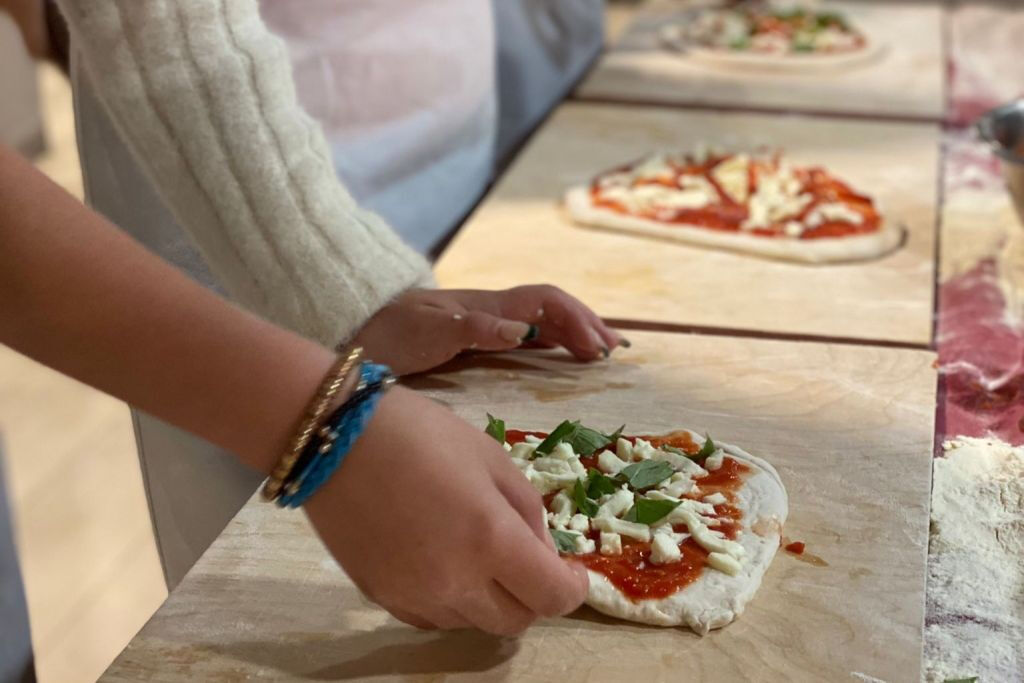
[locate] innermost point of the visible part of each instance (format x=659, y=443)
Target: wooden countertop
x=520, y=233
x=850, y=429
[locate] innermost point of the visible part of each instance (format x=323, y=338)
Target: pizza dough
x=726, y=38
x=675, y=530
x=716, y=598
x=825, y=250
x=755, y=203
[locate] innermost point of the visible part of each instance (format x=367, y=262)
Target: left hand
x=424, y=328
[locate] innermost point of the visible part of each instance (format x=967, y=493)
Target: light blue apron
x=194, y=488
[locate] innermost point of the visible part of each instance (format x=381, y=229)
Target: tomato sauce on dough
x=632, y=572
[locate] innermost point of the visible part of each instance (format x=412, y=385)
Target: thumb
x=490, y=333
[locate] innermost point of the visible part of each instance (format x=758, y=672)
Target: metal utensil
x=1003, y=129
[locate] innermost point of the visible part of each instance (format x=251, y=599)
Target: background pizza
x=755, y=203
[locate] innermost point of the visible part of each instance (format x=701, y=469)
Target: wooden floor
x=84, y=537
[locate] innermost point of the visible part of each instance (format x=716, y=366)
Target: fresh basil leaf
x=583, y=503
x=972, y=679
x=586, y=441
x=645, y=474
x=646, y=511
x=707, y=449
x=598, y=484
x=565, y=541
x=559, y=434
x=613, y=438
x=495, y=428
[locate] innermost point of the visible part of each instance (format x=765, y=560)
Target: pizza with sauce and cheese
x=754, y=203
x=758, y=34
x=674, y=530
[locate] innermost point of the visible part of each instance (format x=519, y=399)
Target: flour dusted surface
x=975, y=605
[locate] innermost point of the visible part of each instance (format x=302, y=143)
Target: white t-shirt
x=405, y=91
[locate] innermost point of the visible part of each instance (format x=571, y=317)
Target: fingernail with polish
x=605, y=352
x=625, y=343
x=531, y=333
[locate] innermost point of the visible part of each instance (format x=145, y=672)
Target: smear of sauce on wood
x=797, y=550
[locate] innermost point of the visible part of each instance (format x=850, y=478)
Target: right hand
x=431, y=521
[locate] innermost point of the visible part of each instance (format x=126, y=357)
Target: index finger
x=537, y=576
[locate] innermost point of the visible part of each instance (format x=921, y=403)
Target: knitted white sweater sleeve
x=203, y=94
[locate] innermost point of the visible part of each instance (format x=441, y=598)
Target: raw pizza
x=674, y=530
x=760, y=35
x=755, y=203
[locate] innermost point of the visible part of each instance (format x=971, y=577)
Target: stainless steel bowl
x=1003, y=128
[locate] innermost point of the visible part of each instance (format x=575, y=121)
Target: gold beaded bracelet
x=315, y=411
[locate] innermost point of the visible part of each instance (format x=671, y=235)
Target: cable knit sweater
x=203, y=94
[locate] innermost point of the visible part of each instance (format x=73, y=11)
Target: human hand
x=431, y=521
x=424, y=328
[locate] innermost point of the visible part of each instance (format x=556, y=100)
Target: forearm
x=78, y=295
x=203, y=95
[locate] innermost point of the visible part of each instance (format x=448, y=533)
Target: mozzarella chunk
x=624, y=449
x=611, y=543
x=616, y=504
x=635, y=530
x=681, y=463
x=664, y=550
x=577, y=468
x=834, y=211
x=507, y=446
x=546, y=482
x=715, y=460
x=609, y=463
x=678, y=485
x=711, y=541
x=643, y=450
x=584, y=545
x=615, y=180
x=562, y=451
x=793, y=228
x=533, y=440
x=561, y=510
x=724, y=563
x=716, y=499
x=732, y=176
x=667, y=530
x=522, y=450
x=579, y=522
x=552, y=465
x=654, y=167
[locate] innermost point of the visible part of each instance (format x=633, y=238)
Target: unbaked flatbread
x=716, y=598
x=811, y=62
x=821, y=250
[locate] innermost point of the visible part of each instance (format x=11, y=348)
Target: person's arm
x=83, y=298
x=203, y=94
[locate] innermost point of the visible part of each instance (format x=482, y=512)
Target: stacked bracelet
x=332, y=383
x=335, y=438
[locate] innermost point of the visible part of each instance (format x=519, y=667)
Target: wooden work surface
x=906, y=79
x=848, y=427
x=520, y=233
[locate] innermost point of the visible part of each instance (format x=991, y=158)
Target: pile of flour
x=975, y=600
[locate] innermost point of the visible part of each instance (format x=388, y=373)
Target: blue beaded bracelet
x=345, y=426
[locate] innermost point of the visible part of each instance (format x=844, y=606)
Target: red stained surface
x=796, y=547
x=981, y=358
